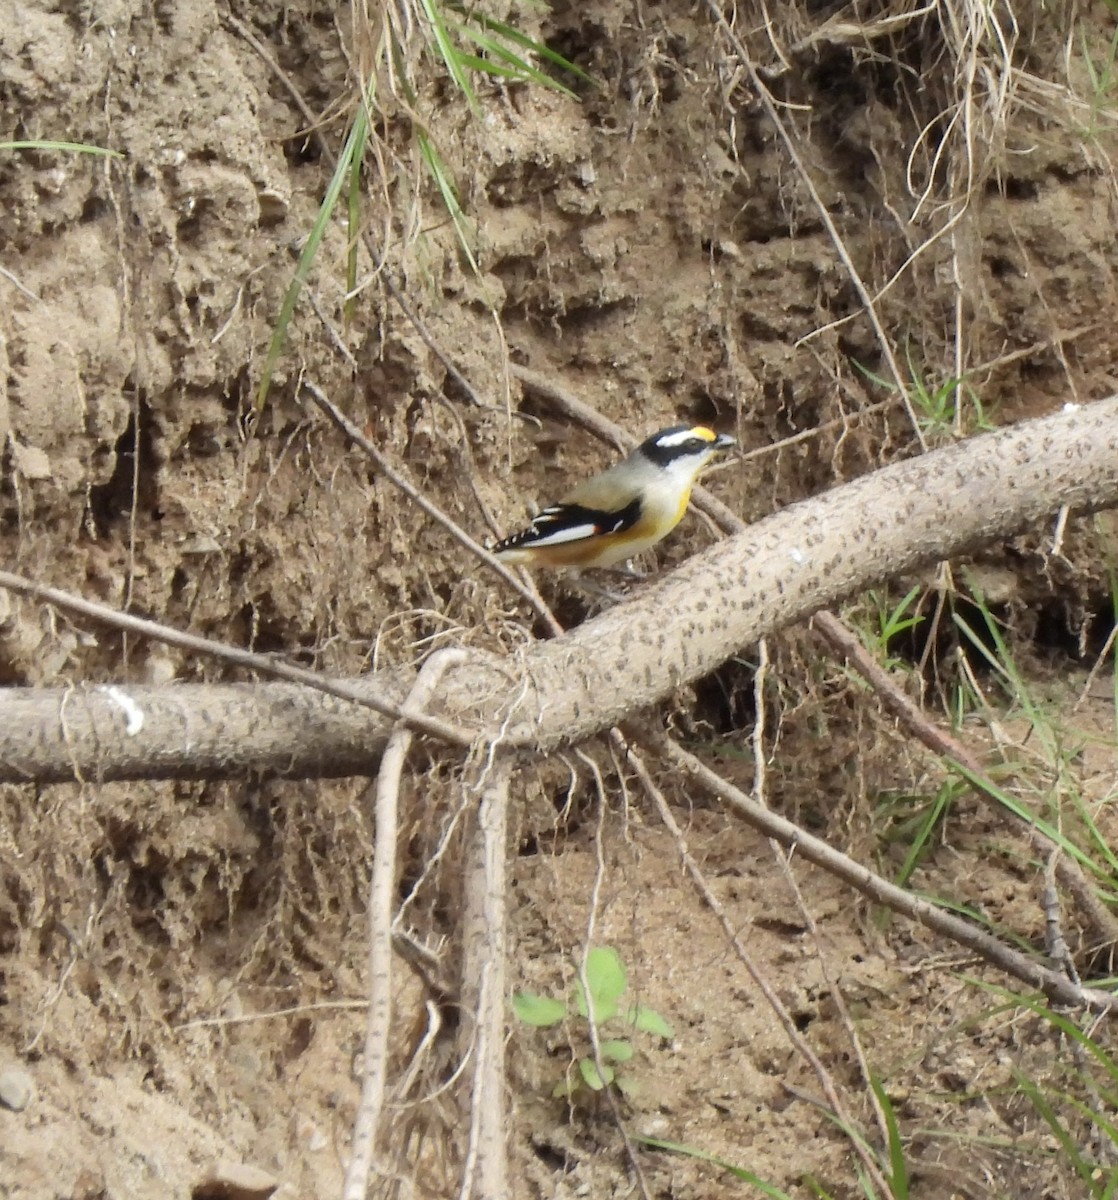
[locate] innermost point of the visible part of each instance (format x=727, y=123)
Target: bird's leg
x=593, y=589
x=627, y=570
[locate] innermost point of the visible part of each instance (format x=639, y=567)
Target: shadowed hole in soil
x=1084, y=637
x=113, y=499
x=724, y=699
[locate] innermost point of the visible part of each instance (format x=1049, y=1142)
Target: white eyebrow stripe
x=676, y=439
x=573, y=533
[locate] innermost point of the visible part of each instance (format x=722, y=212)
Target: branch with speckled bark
x=673, y=631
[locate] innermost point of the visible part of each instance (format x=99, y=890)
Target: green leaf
x=648, y=1020
x=616, y=1050
x=603, y=1009
x=590, y=1075
x=605, y=974
x=538, y=1011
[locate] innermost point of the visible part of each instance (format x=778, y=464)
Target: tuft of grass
x=1077, y=1095
x=347, y=168
x=946, y=409
x=1051, y=800
x=914, y=820
x=1102, y=72
x=469, y=46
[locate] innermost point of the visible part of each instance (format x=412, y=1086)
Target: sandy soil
x=177, y=961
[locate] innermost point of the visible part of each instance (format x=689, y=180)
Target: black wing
x=564, y=523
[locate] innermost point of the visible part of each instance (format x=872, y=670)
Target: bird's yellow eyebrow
x=708, y=435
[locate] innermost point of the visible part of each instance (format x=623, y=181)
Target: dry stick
x=416, y=496
x=260, y=663
x=846, y=644
x=1056, y=986
x=485, y=1170
x=382, y=890
x=565, y=401
x=799, y=1042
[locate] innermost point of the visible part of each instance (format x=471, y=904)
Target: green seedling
x=940, y=407
x=594, y=1003
x=890, y=621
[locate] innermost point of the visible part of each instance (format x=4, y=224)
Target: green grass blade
x=450, y=54
x=1068, y=1027
x=1051, y=1118
x=450, y=198
x=353, y=212
x=988, y=788
x=766, y=1189
x=65, y=147
x=898, y=1174
x=927, y=828
x=508, y=63
x=354, y=147
x=511, y=34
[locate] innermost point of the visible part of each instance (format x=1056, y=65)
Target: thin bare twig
x=584, y=978
x=485, y=1170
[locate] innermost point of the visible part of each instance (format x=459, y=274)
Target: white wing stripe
x=573, y=533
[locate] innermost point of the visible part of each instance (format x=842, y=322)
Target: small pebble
x=16, y=1089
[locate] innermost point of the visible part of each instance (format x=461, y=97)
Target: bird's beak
x=724, y=442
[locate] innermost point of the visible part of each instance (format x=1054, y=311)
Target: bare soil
x=181, y=966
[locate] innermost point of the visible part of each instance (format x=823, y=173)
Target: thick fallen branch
x=671, y=632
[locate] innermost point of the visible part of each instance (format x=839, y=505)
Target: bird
x=623, y=511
